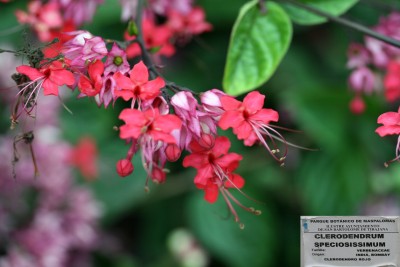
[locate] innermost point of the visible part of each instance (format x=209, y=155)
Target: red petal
x=85, y=85
x=96, y=69
x=123, y=81
x=265, y=115
x=125, y=94
x=243, y=131
x=196, y=160
x=230, y=103
x=167, y=123
x=50, y=88
x=253, y=102
x=203, y=176
x=230, y=119
x=129, y=131
x=139, y=73
x=389, y=118
x=132, y=116
x=229, y=161
x=211, y=192
x=221, y=146
x=151, y=89
x=32, y=73
x=235, y=181
x=161, y=136
x=388, y=130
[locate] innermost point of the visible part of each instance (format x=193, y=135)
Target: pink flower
x=116, y=61
x=91, y=86
x=195, y=120
x=211, y=101
x=362, y=79
x=50, y=77
x=357, y=55
x=83, y=48
x=137, y=85
x=249, y=120
x=79, y=11
x=163, y=6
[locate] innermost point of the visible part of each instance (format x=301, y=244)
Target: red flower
x=138, y=86
x=50, y=76
x=391, y=123
x=392, y=81
x=92, y=85
x=391, y=126
x=150, y=123
x=211, y=161
x=83, y=156
x=250, y=121
x=215, y=168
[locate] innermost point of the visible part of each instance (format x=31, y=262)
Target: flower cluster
x=373, y=59
x=162, y=119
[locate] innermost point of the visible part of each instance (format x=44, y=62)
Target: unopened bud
x=154, y=49
x=158, y=176
x=132, y=28
x=172, y=152
x=206, y=140
x=124, y=167
x=257, y=212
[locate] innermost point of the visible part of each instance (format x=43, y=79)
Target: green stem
x=347, y=23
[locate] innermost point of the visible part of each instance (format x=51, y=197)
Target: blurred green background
x=345, y=177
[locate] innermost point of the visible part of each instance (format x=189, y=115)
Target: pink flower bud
x=172, y=152
x=124, y=167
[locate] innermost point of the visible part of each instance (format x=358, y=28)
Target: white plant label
x=355, y=241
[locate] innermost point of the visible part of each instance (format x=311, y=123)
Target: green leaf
x=333, y=7
x=255, y=245
x=258, y=43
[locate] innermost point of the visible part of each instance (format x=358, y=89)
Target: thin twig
x=345, y=22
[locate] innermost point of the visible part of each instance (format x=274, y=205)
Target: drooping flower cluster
x=162, y=119
x=372, y=60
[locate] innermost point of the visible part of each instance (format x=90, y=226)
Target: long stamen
x=397, y=158
x=231, y=208
x=260, y=137
x=249, y=209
